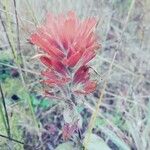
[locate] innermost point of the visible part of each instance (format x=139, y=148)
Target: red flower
x=68, y=44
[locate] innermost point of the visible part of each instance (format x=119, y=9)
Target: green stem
x=3, y=117
x=29, y=99
x=5, y=110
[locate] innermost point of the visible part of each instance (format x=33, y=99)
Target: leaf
x=45, y=103
x=96, y=143
x=35, y=101
x=66, y=146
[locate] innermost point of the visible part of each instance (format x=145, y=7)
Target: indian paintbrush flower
x=67, y=44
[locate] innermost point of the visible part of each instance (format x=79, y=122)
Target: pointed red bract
x=73, y=59
x=81, y=75
x=56, y=65
x=89, y=87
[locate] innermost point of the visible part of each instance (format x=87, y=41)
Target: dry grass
x=123, y=27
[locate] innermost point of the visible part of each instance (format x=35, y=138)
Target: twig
x=18, y=33
x=14, y=140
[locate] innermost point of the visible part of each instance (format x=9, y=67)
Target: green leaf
x=96, y=143
x=35, y=101
x=99, y=122
x=45, y=104
x=66, y=146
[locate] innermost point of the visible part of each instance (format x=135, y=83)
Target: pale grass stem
x=96, y=111
x=9, y=35
x=5, y=114
x=32, y=12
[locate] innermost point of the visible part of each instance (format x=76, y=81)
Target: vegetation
x=114, y=116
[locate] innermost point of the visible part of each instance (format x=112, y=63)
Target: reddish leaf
x=87, y=56
x=46, y=61
x=72, y=61
x=56, y=65
x=90, y=86
x=57, y=81
x=81, y=75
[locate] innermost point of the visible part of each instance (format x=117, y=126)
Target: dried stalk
x=95, y=113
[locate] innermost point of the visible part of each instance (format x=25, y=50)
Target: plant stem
x=14, y=140
x=5, y=110
x=11, y=42
x=7, y=36
x=3, y=117
x=17, y=30
x=32, y=12
x=95, y=113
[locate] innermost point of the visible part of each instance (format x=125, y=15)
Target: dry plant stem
x=115, y=129
x=32, y=12
x=3, y=117
x=95, y=113
x=12, y=46
x=20, y=17
x=8, y=27
x=5, y=110
x=18, y=36
x=128, y=16
x=124, y=69
x=7, y=36
x=17, y=30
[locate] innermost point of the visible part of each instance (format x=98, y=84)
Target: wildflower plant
x=66, y=46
